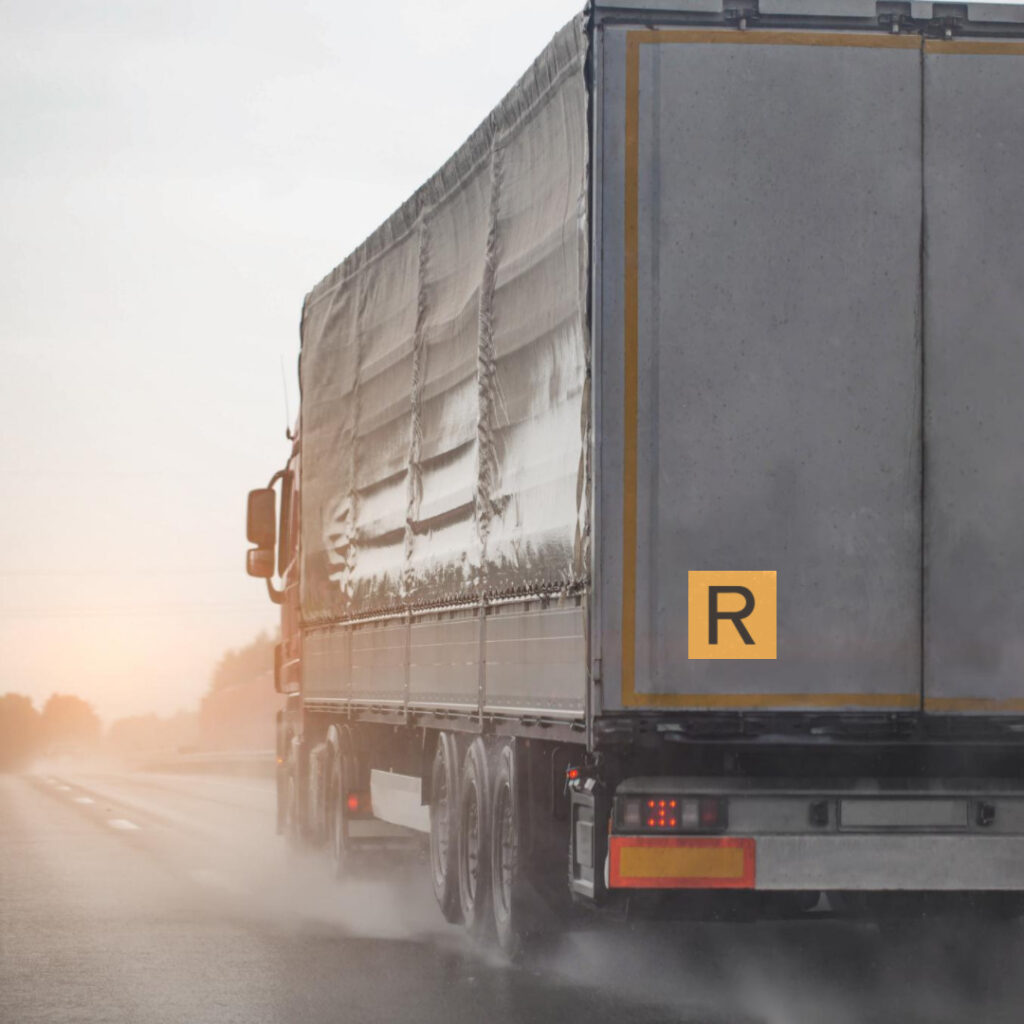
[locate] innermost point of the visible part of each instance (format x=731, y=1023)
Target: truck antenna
x=287, y=412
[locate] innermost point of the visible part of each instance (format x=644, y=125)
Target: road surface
x=149, y=898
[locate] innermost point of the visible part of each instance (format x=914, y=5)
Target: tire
x=444, y=827
x=474, y=861
x=508, y=873
x=338, y=839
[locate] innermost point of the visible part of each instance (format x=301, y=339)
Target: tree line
x=68, y=724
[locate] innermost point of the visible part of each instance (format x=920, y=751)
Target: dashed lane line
x=121, y=824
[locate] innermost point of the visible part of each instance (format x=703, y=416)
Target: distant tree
x=69, y=721
x=140, y=732
x=246, y=665
x=238, y=710
x=19, y=731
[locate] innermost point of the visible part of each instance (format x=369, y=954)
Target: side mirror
x=261, y=518
x=259, y=562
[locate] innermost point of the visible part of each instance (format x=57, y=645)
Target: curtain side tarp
x=444, y=373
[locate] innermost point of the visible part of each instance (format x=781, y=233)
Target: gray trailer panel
x=444, y=661
x=534, y=659
x=974, y=376
x=769, y=418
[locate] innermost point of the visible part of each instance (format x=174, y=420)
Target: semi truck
x=652, y=531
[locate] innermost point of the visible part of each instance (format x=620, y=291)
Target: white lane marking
x=123, y=823
x=84, y=800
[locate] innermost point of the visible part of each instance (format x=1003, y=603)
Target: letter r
x=736, y=617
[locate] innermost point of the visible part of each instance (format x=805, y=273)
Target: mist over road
x=141, y=897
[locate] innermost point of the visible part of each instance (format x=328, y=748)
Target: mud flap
x=589, y=809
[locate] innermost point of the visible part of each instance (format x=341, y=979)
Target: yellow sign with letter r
x=733, y=615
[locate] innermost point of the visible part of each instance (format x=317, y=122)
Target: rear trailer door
x=760, y=347
x=759, y=218
x=974, y=375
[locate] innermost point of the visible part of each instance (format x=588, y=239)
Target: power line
x=150, y=612
x=40, y=573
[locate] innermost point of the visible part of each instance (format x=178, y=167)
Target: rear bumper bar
x=879, y=862
x=921, y=862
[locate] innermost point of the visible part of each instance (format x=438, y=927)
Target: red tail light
x=710, y=813
x=662, y=812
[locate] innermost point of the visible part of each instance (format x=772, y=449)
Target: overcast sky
x=176, y=176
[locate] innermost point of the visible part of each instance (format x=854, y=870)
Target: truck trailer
x=652, y=529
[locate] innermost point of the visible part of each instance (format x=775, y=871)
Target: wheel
x=473, y=845
x=507, y=871
x=338, y=816
x=444, y=824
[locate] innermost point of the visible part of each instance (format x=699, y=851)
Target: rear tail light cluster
x=670, y=814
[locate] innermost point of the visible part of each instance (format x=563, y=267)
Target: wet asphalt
x=135, y=897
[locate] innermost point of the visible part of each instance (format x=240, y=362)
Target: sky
x=175, y=177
